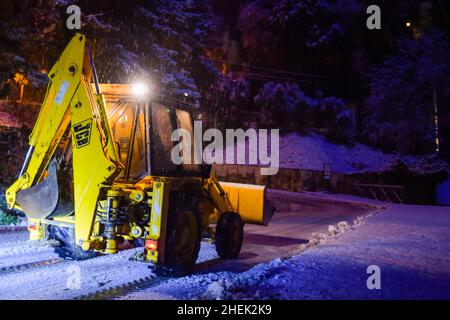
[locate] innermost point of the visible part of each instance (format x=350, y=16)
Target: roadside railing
x=383, y=192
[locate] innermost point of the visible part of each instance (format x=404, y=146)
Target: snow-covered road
x=410, y=245
x=297, y=218
x=317, y=246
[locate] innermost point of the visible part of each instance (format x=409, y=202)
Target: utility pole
x=436, y=119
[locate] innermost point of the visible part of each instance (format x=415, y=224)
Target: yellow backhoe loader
x=98, y=175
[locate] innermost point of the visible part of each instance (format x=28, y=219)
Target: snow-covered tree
x=286, y=105
x=159, y=41
x=403, y=91
x=284, y=101
x=26, y=29
x=284, y=33
x=310, y=19
x=226, y=98
x=336, y=118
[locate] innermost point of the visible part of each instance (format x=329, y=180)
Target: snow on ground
x=17, y=252
x=71, y=279
x=411, y=245
x=207, y=252
x=8, y=239
x=68, y=279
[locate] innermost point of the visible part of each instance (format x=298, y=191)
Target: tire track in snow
x=70, y=279
x=207, y=258
x=126, y=288
x=20, y=267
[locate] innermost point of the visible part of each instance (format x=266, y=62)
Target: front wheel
x=229, y=235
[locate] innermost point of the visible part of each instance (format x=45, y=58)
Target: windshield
x=127, y=120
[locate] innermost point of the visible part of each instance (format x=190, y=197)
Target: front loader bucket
x=39, y=201
x=249, y=201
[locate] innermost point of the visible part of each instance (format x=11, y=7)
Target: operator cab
x=142, y=133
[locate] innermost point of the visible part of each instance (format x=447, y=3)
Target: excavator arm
x=69, y=102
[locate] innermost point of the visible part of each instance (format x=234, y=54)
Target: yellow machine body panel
x=249, y=201
x=156, y=229
x=93, y=166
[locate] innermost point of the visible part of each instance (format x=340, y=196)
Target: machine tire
x=183, y=239
x=229, y=235
x=67, y=248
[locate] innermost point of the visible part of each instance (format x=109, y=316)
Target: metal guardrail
x=383, y=192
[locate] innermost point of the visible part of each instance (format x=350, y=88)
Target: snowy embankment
x=410, y=244
x=312, y=151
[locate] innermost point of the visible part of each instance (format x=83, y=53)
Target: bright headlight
x=140, y=89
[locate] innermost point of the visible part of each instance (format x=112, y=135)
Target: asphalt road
x=297, y=217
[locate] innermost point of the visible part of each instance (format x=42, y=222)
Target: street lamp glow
x=408, y=24
x=140, y=89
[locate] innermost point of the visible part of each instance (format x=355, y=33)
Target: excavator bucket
x=40, y=201
x=250, y=201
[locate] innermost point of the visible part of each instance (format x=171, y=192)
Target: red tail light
x=151, y=245
x=33, y=226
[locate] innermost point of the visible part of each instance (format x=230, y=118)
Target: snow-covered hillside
x=312, y=151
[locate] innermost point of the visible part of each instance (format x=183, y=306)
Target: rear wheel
x=183, y=240
x=229, y=235
x=67, y=248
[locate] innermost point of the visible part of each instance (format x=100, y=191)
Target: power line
x=174, y=100
x=309, y=75
x=256, y=76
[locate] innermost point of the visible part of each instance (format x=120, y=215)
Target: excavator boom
x=69, y=102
